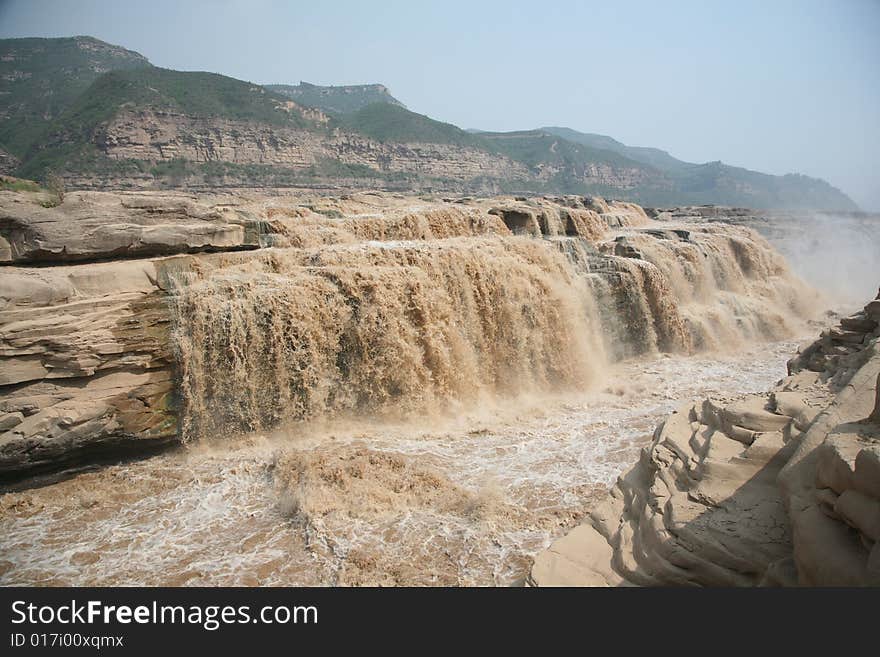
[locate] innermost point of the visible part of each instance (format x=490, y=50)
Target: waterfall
x=452, y=309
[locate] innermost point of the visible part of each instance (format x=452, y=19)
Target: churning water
x=411, y=411
x=468, y=501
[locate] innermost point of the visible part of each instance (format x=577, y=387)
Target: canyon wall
x=133, y=320
x=162, y=136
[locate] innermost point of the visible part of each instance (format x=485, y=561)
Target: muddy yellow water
x=465, y=499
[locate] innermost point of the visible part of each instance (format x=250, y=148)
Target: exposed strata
x=774, y=489
x=90, y=226
x=161, y=136
x=8, y=162
x=86, y=361
x=91, y=344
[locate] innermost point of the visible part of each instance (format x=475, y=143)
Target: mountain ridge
x=655, y=157
x=110, y=118
x=40, y=77
x=336, y=99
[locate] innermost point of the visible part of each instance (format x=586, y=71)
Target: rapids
x=466, y=501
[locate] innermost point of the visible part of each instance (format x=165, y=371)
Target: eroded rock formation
x=91, y=226
x=774, y=489
x=86, y=361
x=809, y=241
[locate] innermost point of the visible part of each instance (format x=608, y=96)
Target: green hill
x=562, y=165
x=336, y=100
x=719, y=183
x=653, y=157
x=41, y=78
x=68, y=141
x=722, y=184
x=538, y=147
x=393, y=123
x=192, y=93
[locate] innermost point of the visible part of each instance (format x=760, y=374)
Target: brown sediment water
x=465, y=501
x=380, y=329
x=429, y=410
x=417, y=328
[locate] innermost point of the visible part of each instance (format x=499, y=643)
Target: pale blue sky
x=773, y=85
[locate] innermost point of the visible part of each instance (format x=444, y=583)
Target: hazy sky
x=778, y=86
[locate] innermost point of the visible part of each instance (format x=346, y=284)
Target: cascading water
x=398, y=328
x=380, y=330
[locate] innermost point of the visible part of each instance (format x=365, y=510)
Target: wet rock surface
x=774, y=489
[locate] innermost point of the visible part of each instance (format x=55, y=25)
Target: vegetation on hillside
x=653, y=157
x=10, y=184
x=68, y=142
x=51, y=193
x=391, y=123
x=336, y=100
x=41, y=78
x=716, y=182
x=535, y=148
x=56, y=96
x=191, y=93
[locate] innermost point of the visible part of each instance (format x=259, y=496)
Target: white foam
x=210, y=516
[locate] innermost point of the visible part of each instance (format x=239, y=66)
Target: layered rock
x=568, y=217
x=156, y=136
x=89, y=226
x=8, y=162
x=86, y=364
x=85, y=361
x=774, y=489
x=162, y=136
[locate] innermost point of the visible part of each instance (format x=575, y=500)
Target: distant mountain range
x=102, y=116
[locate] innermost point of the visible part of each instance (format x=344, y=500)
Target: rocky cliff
x=774, y=489
x=85, y=349
x=342, y=99
x=163, y=136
